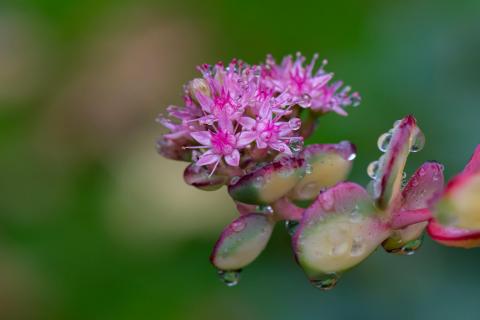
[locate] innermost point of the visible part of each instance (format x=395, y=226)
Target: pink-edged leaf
x=453, y=237
x=200, y=177
x=459, y=206
x=388, y=180
x=410, y=219
x=285, y=210
x=242, y=241
x=267, y=184
x=327, y=164
x=338, y=231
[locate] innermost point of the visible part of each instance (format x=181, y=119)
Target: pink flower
x=306, y=88
x=268, y=131
x=221, y=144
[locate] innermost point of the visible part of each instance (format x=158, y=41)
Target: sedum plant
x=243, y=126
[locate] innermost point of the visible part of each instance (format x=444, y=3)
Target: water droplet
x=408, y=248
x=358, y=247
x=234, y=180
x=372, y=169
x=296, y=144
x=266, y=209
x=306, y=99
x=384, y=141
x=404, y=179
x=238, y=225
x=295, y=123
x=418, y=142
x=195, y=155
x=355, y=216
x=326, y=282
x=291, y=226
x=229, y=277
x=340, y=249
x=308, y=168
x=352, y=156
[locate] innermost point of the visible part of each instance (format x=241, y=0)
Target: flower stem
x=285, y=210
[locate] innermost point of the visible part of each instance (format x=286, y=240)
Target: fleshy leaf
x=267, y=184
x=459, y=206
x=327, y=164
x=338, y=231
x=453, y=237
x=242, y=241
x=200, y=177
x=424, y=185
x=388, y=180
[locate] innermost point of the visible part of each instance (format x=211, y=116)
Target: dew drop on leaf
x=384, y=141
x=418, y=142
x=291, y=226
x=372, y=169
x=229, y=277
x=327, y=282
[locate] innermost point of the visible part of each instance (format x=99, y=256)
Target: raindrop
x=404, y=179
x=340, y=249
x=295, y=123
x=296, y=144
x=229, y=277
x=418, y=142
x=291, y=226
x=384, y=141
x=306, y=99
x=238, y=225
x=234, y=180
x=352, y=156
x=266, y=209
x=408, y=248
x=372, y=169
x=327, y=282
x=358, y=247
x=308, y=168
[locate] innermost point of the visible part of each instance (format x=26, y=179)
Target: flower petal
x=245, y=138
x=233, y=159
x=202, y=137
x=207, y=158
x=242, y=241
x=247, y=122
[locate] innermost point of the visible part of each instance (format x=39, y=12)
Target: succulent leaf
x=267, y=184
x=388, y=180
x=425, y=184
x=338, y=231
x=201, y=178
x=453, y=237
x=327, y=165
x=242, y=241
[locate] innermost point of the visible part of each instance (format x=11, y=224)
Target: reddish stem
x=406, y=218
x=285, y=210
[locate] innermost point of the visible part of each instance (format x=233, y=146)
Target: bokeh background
x=95, y=225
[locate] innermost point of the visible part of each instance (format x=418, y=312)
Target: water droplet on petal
x=352, y=156
x=326, y=282
x=295, y=123
x=418, y=142
x=296, y=144
x=404, y=179
x=308, y=168
x=306, y=99
x=291, y=226
x=229, y=277
x=372, y=169
x=384, y=141
x=238, y=225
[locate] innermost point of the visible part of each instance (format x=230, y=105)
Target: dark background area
x=95, y=225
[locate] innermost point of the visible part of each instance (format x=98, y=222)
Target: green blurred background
x=95, y=225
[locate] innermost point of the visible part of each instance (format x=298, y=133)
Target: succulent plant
x=243, y=127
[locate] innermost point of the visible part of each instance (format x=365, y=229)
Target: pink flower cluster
x=238, y=112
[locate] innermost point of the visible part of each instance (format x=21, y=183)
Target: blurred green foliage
x=88, y=227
